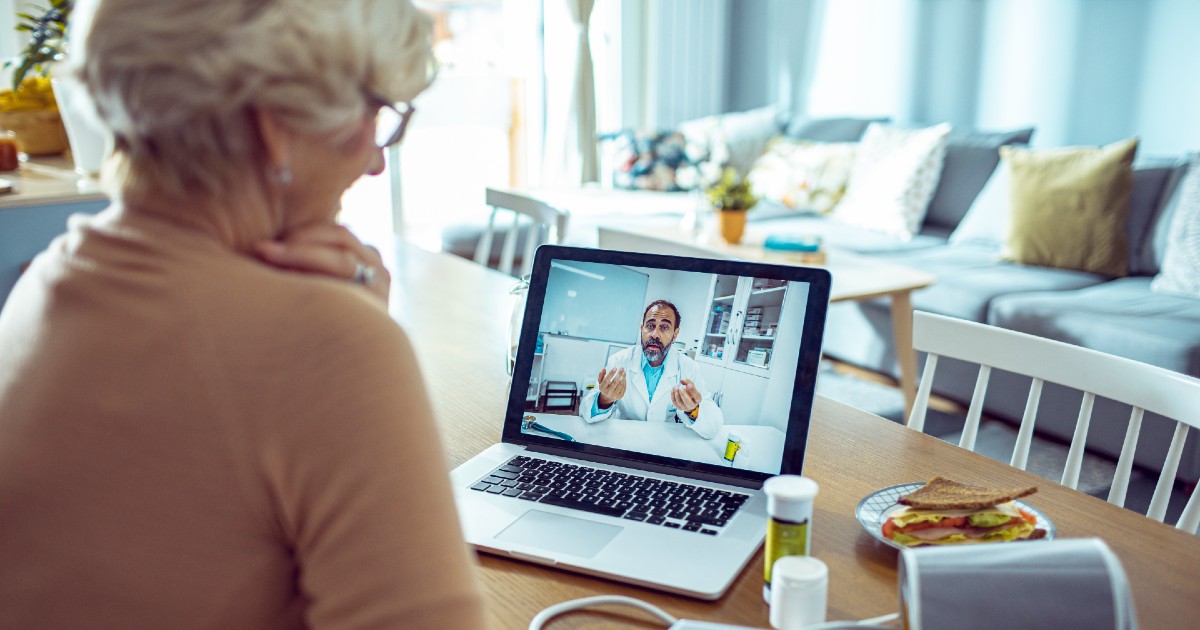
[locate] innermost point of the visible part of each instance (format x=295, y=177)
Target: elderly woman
x=207, y=418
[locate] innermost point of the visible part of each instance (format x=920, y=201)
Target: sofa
x=1116, y=315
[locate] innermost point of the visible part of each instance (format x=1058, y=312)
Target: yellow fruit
x=35, y=93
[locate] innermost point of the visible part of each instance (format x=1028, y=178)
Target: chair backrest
x=542, y=223
x=1143, y=387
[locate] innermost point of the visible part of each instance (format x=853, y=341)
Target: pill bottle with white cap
x=800, y=587
x=789, y=526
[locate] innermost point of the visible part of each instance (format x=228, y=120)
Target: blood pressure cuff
x=1077, y=583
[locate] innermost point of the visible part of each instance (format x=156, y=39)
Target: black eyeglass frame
x=404, y=116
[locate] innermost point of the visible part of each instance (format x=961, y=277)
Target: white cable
x=880, y=619
x=575, y=604
x=872, y=622
x=539, y=620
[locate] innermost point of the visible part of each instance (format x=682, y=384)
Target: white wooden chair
x=1144, y=387
x=542, y=223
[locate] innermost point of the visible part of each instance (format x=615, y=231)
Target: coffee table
x=856, y=278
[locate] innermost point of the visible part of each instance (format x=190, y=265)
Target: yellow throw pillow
x=1069, y=206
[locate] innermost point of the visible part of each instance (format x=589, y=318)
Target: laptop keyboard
x=654, y=501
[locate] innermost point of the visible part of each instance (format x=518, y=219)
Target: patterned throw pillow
x=652, y=160
x=1180, y=272
x=893, y=179
x=803, y=175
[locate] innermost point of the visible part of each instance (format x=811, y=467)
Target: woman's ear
x=277, y=140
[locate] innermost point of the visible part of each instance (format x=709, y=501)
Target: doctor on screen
x=649, y=382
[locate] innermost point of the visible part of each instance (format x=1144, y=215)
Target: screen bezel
x=800, y=414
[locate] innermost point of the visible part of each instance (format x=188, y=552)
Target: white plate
x=877, y=507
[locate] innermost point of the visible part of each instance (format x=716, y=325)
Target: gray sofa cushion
x=971, y=156
x=969, y=282
x=1153, y=182
x=970, y=278
x=1122, y=317
x=1152, y=223
x=829, y=129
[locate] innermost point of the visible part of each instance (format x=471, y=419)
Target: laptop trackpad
x=562, y=534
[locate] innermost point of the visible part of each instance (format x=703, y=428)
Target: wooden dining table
x=457, y=315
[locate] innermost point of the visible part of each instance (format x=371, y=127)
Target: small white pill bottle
x=801, y=586
x=789, y=522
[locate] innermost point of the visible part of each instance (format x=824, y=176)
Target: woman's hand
x=330, y=249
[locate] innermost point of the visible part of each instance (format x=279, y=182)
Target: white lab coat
x=636, y=404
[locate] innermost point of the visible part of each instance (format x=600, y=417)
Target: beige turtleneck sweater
x=190, y=438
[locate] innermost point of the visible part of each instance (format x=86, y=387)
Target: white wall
x=1028, y=56
x=1168, y=97
x=865, y=66
x=571, y=359
x=1079, y=71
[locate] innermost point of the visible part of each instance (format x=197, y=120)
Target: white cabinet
x=743, y=320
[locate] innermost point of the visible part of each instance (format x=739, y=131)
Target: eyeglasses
x=390, y=122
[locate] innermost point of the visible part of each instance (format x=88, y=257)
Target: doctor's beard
x=654, y=351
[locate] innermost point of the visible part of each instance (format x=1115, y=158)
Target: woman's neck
x=237, y=220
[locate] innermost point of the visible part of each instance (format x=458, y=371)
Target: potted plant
x=731, y=197
x=29, y=109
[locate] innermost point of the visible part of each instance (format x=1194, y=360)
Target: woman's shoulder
x=288, y=312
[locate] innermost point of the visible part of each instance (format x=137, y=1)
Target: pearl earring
x=282, y=175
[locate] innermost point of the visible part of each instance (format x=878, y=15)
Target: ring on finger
x=363, y=274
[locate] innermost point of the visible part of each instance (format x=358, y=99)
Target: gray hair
x=177, y=81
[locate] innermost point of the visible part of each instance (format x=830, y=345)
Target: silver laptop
x=651, y=397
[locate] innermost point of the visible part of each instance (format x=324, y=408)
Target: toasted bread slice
x=940, y=493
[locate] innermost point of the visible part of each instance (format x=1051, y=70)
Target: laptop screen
x=668, y=363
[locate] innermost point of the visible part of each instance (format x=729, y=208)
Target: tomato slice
x=955, y=521
x=889, y=528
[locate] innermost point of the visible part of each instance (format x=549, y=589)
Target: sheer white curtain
x=584, y=99
x=571, y=148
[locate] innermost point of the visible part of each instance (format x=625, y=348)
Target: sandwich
x=945, y=512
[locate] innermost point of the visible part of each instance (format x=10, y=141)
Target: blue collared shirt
x=653, y=375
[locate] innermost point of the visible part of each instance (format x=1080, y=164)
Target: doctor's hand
x=686, y=396
x=329, y=249
x=612, y=386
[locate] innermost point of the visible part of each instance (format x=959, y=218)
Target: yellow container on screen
x=732, y=445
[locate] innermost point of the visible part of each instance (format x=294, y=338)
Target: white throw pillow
x=735, y=139
x=803, y=175
x=894, y=177
x=1180, y=273
x=989, y=218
